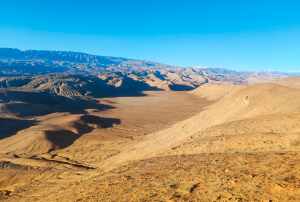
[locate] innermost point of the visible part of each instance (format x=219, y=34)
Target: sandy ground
x=139, y=101
x=27, y=156
x=205, y=177
x=245, y=147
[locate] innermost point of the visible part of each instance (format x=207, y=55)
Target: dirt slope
x=85, y=138
x=244, y=147
x=207, y=177
x=55, y=131
x=291, y=82
x=257, y=100
x=216, y=92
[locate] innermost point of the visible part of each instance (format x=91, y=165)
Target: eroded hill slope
x=245, y=147
x=216, y=92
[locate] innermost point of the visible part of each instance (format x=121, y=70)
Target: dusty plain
x=89, y=138
x=216, y=143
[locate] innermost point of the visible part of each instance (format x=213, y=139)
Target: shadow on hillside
x=179, y=87
x=61, y=138
x=159, y=75
x=100, y=121
x=88, y=123
x=28, y=104
x=18, y=103
x=128, y=87
x=9, y=127
x=131, y=87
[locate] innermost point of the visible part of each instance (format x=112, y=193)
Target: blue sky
x=231, y=34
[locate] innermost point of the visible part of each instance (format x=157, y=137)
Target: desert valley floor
x=215, y=143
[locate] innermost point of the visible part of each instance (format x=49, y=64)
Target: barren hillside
x=291, y=82
x=185, y=146
x=216, y=92
x=78, y=127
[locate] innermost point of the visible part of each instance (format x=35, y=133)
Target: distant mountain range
x=41, y=62
x=15, y=63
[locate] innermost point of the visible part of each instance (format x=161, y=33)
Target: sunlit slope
x=250, y=102
x=216, y=92
x=261, y=102
x=244, y=147
x=263, y=117
x=53, y=132
x=291, y=82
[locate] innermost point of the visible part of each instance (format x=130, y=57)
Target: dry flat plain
x=215, y=143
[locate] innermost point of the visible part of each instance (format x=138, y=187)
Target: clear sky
x=231, y=34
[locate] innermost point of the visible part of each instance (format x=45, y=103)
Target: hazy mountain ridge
x=14, y=62
x=257, y=73
x=78, y=62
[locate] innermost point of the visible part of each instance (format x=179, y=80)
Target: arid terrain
x=64, y=143
x=135, y=134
